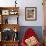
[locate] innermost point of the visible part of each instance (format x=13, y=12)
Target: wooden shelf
x=9, y=10
x=4, y=13
x=11, y=26
x=9, y=43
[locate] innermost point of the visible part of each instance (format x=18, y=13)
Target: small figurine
x=6, y=21
x=15, y=3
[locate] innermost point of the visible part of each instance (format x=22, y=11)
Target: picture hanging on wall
x=30, y=13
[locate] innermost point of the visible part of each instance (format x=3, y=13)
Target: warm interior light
x=15, y=30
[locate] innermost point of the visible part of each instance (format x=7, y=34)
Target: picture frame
x=30, y=13
x=5, y=12
x=13, y=12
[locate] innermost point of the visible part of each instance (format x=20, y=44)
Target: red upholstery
x=29, y=33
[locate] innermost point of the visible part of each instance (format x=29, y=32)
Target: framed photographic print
x=30, y=13
x=5, y=12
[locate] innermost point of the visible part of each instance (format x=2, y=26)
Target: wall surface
x=44, y=13
x=26, y=3
x=31, y=3
x=37, y=25
x=45, y=22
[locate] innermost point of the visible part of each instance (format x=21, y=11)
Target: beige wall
x=44, y=12
x=44, y=4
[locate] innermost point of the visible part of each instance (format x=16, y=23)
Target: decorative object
x=13, y=12
x=30, y=38
x=5, y=12
x=15, y=3
x=15, y=37
x=6, y=21
x=31, y=41
x=30, y=13
x=7, y=34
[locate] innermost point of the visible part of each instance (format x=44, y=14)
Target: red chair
x=29, y=33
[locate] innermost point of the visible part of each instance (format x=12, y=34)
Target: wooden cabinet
x=8, y=26
x=6, y=12
x=10, y=43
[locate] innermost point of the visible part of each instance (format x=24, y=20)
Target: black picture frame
x=30, y=13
